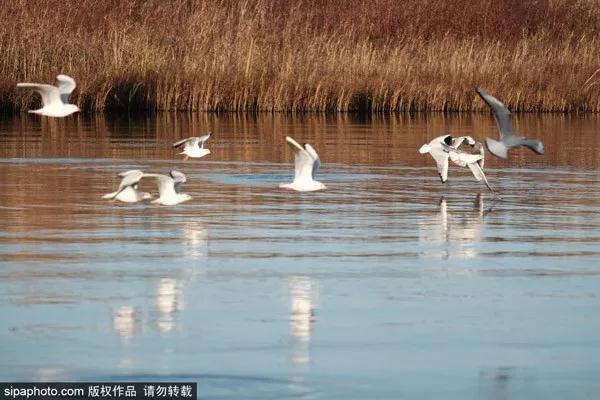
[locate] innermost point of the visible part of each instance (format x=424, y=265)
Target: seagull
x=437, y=150
x=508, y=139
x=473, y=160
x=55, y=99
x=194, y=146
x=128, y=188
x=306, y=165
x=169, y=188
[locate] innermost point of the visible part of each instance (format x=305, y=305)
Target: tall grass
x=305, y=55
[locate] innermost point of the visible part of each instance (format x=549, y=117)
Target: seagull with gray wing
x=306, y=165
x=508, y=138
x=55, y=98
x=169, y=188
x=194, y=146
x=128, y=188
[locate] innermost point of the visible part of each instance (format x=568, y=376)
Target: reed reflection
x=302, y=318
x=345, y=138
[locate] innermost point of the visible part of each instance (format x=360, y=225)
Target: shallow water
x=386, y=285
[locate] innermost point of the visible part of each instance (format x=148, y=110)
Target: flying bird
x=508, y=138
x=306, y=165
x=193, y=146
x=474, y=160
x=55, y=98
x=128, y=188
x=169, y=188
x=436, y=148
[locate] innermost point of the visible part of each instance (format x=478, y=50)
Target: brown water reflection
x=570, y=140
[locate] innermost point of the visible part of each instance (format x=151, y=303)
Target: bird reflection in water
x=169, y=301
x=459, y=231
x=124, y=322
x=302, y=317
x=195, y=238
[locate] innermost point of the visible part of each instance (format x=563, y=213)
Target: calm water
x=387, y=285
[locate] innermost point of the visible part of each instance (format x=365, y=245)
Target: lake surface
x=387, y=285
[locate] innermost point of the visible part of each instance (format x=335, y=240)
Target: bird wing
x=303, y=161
x=131, y=171
x=461, y=139
x=478, y=174
x=182, y=141
x=165, y=184
x=316, y=160
x=200, y=141
x=463, y=159
x=50, y=94
x=501, y=113
x=130, y=178
x=441, y=160
x=65, y=85
x=178, y=179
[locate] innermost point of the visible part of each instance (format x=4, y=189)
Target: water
x=387, y=285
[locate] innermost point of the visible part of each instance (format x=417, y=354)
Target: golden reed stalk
x=305, y=55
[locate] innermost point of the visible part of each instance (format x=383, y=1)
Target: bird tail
x=533, y=144
x=496, y=148
x=425, y=149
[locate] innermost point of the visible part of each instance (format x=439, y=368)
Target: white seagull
x=306, y=165
x=436, y=149
x=194, y=146
x=473, y=160
x=128, y=188
x=508, y=139
x=55, y=99
x=169, y=188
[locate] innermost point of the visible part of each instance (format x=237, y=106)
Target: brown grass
x=303, y=55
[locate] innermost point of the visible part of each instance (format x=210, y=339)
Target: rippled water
x=386, y=285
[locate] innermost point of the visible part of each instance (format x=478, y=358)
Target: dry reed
x=305, y=55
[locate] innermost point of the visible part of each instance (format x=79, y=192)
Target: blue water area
x=387, y=285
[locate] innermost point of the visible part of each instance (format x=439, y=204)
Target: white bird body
x=128, y=188
x=169, y=187
x=472, y=160
x=54, y=98
x=306, y=165
x=194, y=146
x=436, y=149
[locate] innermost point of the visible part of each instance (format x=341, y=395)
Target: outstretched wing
x=165, y=184
x=441, y=161
x=50, y=94
x=130, y=178
x=202, y=139
x=457, y=142
x=182, y=141
x=501, y=113
x=463, y=159
x=316, y=160
x=65, y=85
x=478, y=174
x=178, y=180
x=303, y=161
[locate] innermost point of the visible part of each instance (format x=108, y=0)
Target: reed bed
x=305, y=55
